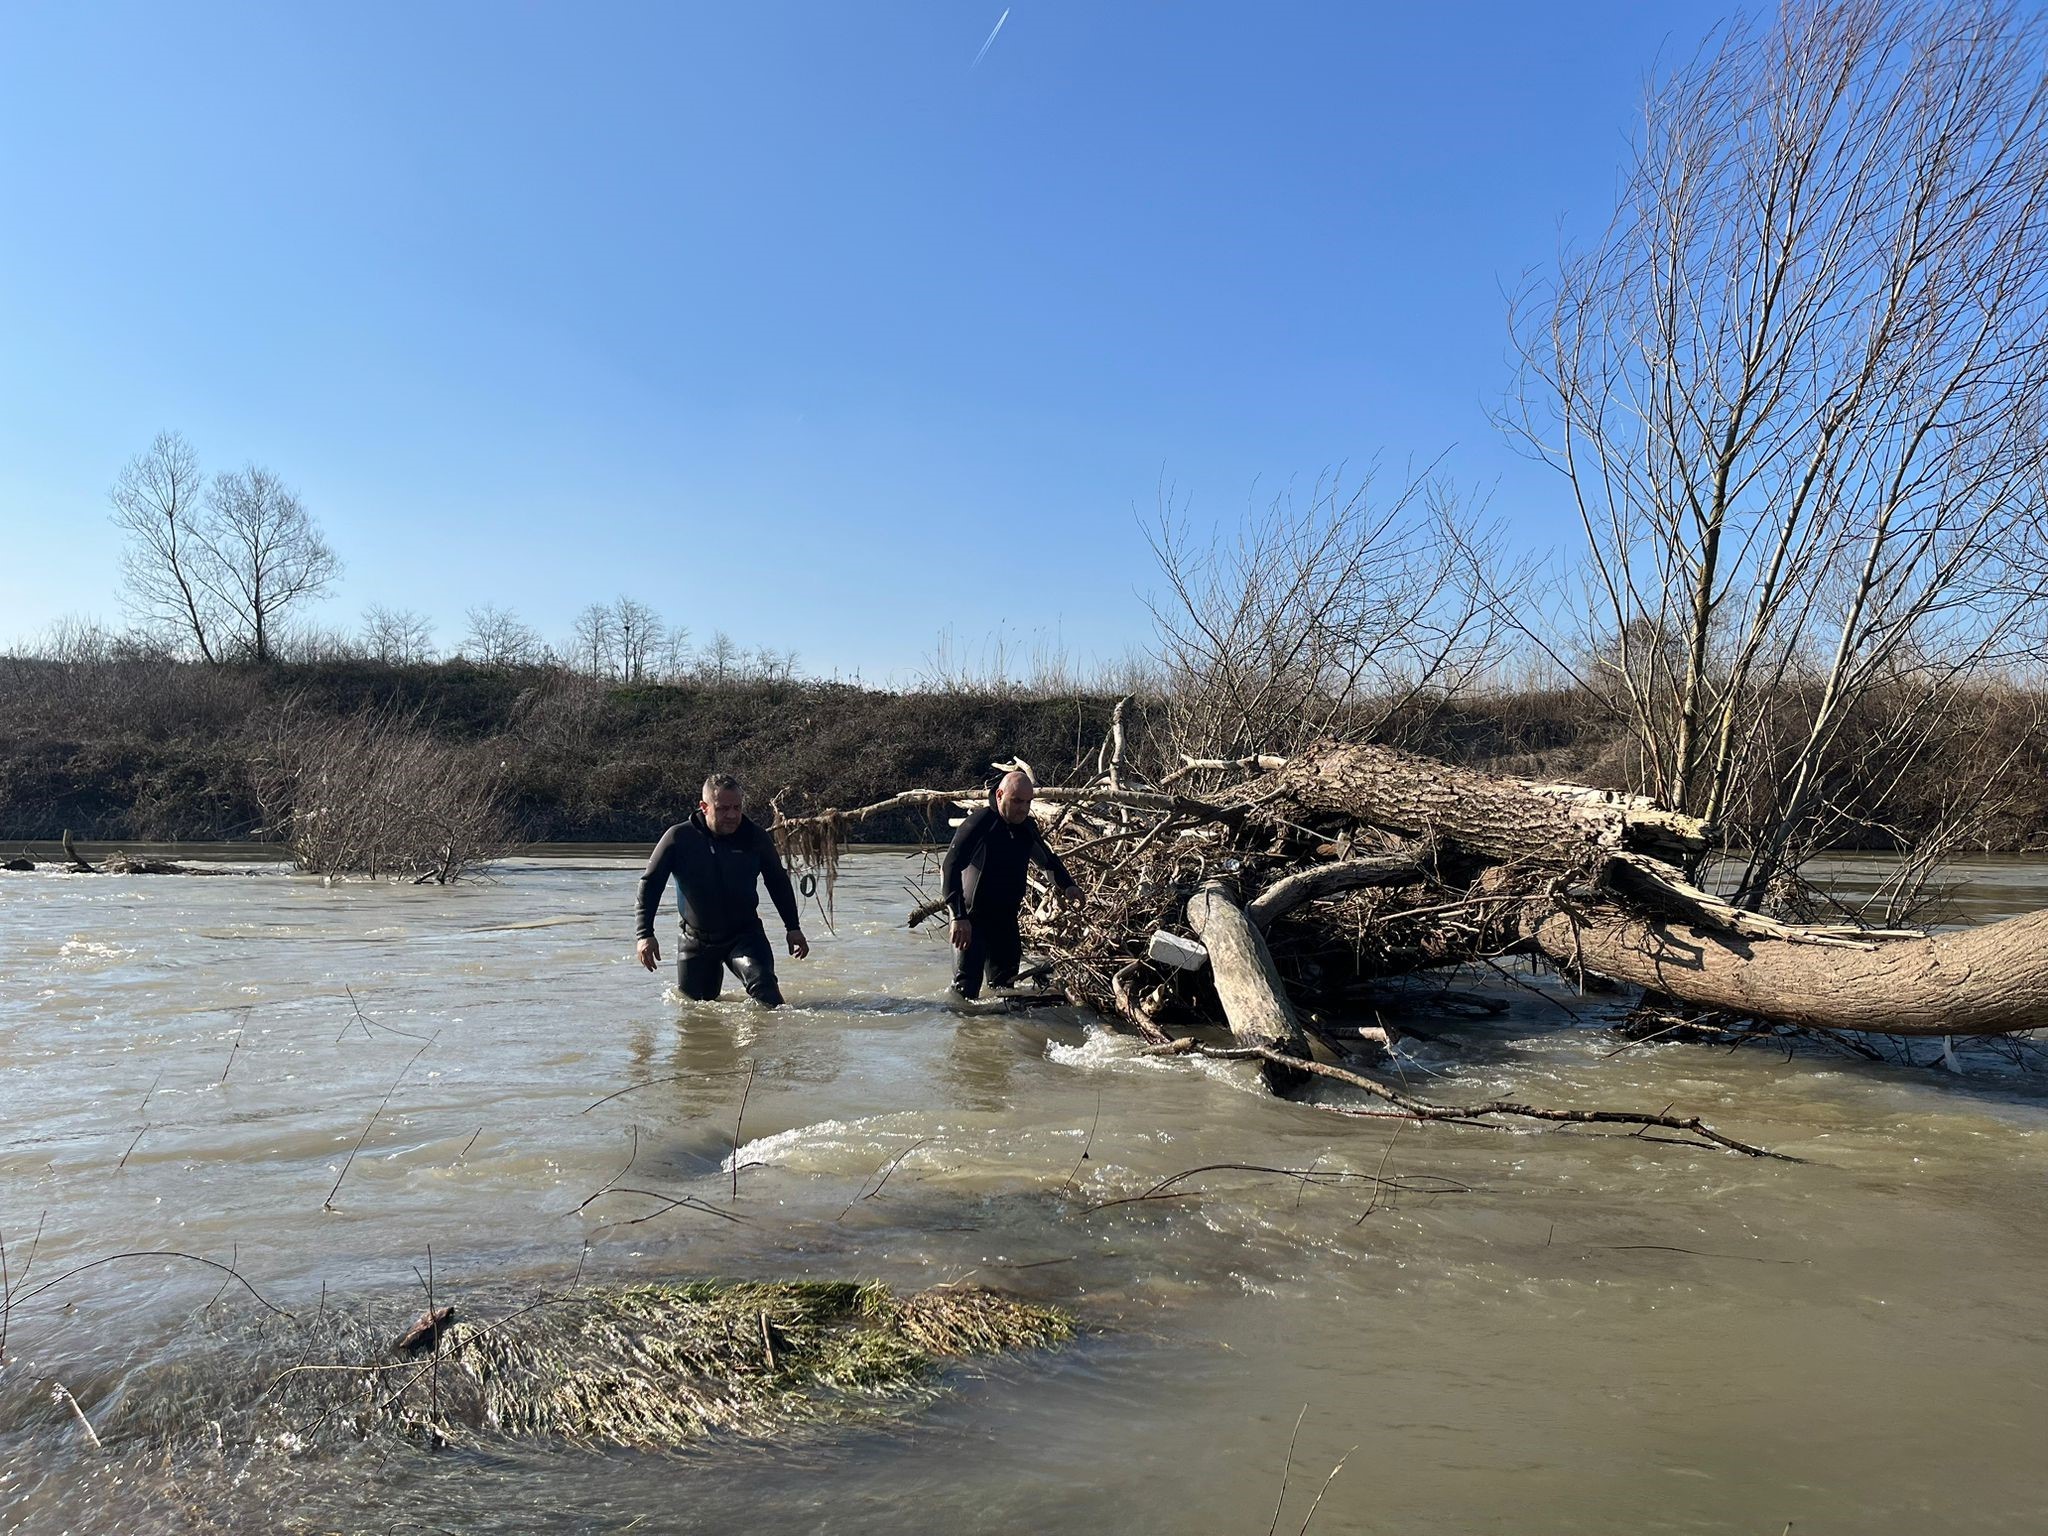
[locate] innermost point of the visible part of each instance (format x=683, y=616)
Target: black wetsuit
x=716, y=887
x=984, y=882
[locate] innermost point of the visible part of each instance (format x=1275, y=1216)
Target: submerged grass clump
x=660, y=1365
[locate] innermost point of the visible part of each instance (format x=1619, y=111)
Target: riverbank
x=144, y=749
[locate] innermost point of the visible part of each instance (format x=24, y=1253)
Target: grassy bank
x=147, y=749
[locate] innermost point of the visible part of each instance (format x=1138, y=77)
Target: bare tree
x=640, y=631
x=497, y=638
x=594, y=648
x=398, y=636
x=676, y=656
x=721, y=660
x=770, y=665
x=1797, y=389
x=157, y=503
x=1319, y=619
x=263, y=557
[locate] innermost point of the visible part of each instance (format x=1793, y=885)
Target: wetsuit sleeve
x=959, y=854
x=1043, y=856
x=661, y=864
x=776, y=879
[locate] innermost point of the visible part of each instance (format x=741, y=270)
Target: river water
x=1531, y=1330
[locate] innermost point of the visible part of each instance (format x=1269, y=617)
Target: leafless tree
x=158, y=504
x=264, y=556
x=1319, y=618
x=398, y=636
x=223, y=571
x=594, y=647
x=497, y=638
x=676, y=656
x=640, y=632
x=720, y=661
x=772, y=666
x=1797, y=389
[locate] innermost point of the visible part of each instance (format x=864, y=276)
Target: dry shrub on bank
x=375, y=794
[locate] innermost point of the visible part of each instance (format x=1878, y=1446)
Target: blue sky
x=790, y=320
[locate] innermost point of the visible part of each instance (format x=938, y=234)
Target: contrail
x=991, y=37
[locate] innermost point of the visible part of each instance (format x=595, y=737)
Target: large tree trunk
x=1978, y=981
x=1254, y=1000
x=1483, y=813
x=1648, y=927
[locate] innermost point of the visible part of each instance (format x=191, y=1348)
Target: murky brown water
x=1589, y=1332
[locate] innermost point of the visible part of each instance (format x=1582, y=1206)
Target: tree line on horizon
x=220, y=570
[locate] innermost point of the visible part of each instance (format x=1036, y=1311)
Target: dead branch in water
x=328, y=1203
x=1464, y=1114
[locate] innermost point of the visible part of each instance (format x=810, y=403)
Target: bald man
x=983, y=880
x=718, y=859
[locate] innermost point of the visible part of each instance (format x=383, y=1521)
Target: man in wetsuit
x=715, y=858
x=983, y=880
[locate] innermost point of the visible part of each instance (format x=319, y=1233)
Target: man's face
x=722, y=812
x=1013, y=800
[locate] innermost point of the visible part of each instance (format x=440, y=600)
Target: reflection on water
x=1520, y=1330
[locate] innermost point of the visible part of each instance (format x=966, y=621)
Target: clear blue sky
x=791, y=320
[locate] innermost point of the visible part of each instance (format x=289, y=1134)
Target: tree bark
x=1283, y=896
x=1976, y=981
x=1487, y=814
x=1254, y=1001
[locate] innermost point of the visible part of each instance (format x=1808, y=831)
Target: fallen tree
x=1274, y=902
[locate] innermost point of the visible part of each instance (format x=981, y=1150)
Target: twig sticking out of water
x=233, y=1273
x=1287, y=1471
x=233, y=1049
x=656, y=1082
x=1164, y=1189
x=1325, y=1489
x=358, y=1019
x=1380, y=1174
x=739, y=1120
x=328, y=1203
x=62, y=1394
x=669, y=1203
x=234, y=1258
x=370, y=1025
x=7, y=1286
x=889, y=1168
x=1088, y=1145
x=132, y=1146
x=632, y=1158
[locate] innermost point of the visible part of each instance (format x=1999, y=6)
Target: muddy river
x=1542, y=1329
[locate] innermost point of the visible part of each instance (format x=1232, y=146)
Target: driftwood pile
x=1277, y=897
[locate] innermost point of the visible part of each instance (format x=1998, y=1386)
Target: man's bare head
x=1013, y=797
x=723, y=804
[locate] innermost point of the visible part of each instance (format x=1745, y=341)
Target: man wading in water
x=983, y=879
x=715, y=859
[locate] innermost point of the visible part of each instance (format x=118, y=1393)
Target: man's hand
x=963, y=933
x=649, y=952
x=799, y=946
x=1065, y=895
